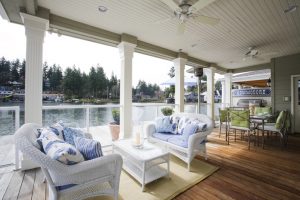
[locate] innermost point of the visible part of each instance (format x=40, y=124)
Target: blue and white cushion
x=89, y=148
x=181, y=124
x=201, y=126
x=189, y=130
x=56, y=128
x=71, y=133
x=165, y=125
x=58, y=149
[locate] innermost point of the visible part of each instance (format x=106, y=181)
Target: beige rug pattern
x=163, y=189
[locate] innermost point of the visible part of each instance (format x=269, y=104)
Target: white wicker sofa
x=196, y=142
x=100, y=176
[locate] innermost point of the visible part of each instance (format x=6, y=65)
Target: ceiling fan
x=253, y=53
x=185, y=11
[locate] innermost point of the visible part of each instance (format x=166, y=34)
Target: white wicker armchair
x=196, y=142
x=95, y=177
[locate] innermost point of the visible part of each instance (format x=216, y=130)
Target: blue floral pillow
x=165, y=125
x=58, y=149
x=90, y=149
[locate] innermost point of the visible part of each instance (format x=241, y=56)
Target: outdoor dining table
x=260, y=120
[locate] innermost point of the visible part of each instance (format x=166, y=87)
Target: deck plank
x=39, y=188
x=27, y=185
x=269, y=173
x=13, y=189
x=4, y=182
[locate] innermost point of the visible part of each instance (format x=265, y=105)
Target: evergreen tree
x=4, y=71
x=72, y=82
x=172, y=72
x=15, y=65
x=22, y=73
x=55, y=77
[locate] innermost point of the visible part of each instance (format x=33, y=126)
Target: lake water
x=77, y=117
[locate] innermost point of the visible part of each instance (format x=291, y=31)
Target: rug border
x=193, y=183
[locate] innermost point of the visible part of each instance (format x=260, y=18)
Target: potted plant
x=115, y=125
x=166, y=111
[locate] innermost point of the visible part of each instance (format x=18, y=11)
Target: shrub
x=116, y=116
x=167, y=111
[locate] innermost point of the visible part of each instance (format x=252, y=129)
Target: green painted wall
x=282, y=69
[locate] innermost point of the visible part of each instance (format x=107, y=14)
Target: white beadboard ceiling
x=243, y=23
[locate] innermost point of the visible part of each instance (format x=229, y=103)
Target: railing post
x=17, y=118
x=17, y=125
x=87, y=119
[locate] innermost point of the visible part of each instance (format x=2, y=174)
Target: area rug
x=162, y=189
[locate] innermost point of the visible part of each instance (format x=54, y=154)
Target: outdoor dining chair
x=240, y=120
x=223, y=121
x=281, y=127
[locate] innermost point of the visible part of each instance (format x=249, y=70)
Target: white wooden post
x=210, y=74
x=179, y=64
x=228, y=87
x=35, y=28
x=126, y=51
x=223, y=94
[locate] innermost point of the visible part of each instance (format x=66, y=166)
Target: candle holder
x=138, y=136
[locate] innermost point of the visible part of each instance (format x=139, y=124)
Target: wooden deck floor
x=268, y=173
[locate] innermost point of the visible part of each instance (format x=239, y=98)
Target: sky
x=68, y=51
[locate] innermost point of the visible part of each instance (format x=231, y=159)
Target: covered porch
x=131, y=26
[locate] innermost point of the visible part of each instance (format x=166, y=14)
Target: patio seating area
x=243, y=174
x=246, y=52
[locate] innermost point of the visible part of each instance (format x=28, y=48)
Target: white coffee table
x=145, y=164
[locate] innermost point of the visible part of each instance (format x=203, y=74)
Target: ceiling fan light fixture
x=102, y=9
x=291, y=9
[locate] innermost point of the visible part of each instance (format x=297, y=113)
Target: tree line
x=72, y=82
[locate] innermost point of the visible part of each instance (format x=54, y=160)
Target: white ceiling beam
x=31, y=6
x=3, y=13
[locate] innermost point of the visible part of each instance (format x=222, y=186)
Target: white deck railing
x=16, y=109
x=86, y=107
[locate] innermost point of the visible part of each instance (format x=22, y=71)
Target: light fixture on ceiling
x=102, y=9
x=291, y=8
x=269, y=82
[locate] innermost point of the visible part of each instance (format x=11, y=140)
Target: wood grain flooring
x=269, y=173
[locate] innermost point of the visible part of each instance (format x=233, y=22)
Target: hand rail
x=16, y=109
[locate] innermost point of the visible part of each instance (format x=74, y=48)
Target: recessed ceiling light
x=291, y=8
x=102, y=8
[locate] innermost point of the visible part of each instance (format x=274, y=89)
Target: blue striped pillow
x=90, y=149
x=60, y=150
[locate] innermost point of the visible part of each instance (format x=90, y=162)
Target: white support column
x=210, y=74
x=228, y=87
x=126, y=51
x=35, y=29
x=179, y=64
x=223, y=94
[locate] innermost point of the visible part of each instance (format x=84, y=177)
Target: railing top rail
x=10, y=108
x=80, y=106
x=152, y=104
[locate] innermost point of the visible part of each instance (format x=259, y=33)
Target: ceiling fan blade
x=172, y=5
x=206, y=20
x=199, y=5
x=181, y=28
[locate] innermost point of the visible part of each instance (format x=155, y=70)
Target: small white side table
x=145, y=164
